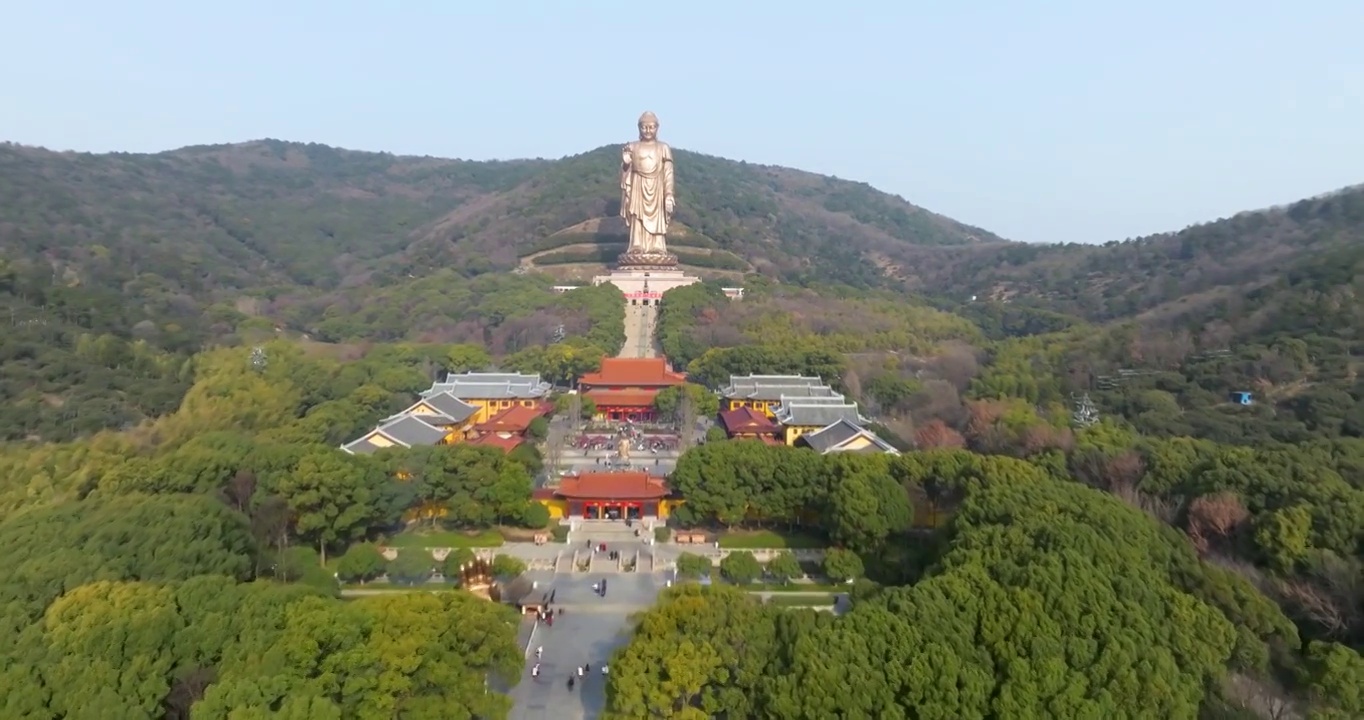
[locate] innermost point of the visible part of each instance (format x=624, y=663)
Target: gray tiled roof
x=815, y=415
x=833, y=399
x=411, y=431
x=437, y=420
x=491, y=387
x=743, y=386
x=829, y=438
x=494, y=377
x=450, y=406
x=777, y=392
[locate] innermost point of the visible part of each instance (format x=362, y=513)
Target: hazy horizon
x=1065, y=123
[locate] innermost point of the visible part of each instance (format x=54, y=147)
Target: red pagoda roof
x=513, y=419
x=634, y=372
x=636, y=485
x=505, y=444
x=622, y=398
x=746, y=420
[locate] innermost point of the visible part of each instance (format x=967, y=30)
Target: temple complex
x=631, y=495
x=796, y=410
x=493, y=409
x=624, y=389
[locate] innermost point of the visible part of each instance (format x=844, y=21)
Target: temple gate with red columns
x=624, y=389
x=632, y=495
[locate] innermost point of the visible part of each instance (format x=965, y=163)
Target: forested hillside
x=114, y=269
x=1259, y=271
x=211, y=220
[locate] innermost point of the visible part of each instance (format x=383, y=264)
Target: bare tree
x=575, y=413
x=554, y=448
x=187, y=689
x=1214, y=519
x=1332, y=598
x=1264, y=697
x=240, y=489
x=686, y=421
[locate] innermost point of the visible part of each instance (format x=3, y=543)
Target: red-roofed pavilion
x=625, y=388
x=607, y=495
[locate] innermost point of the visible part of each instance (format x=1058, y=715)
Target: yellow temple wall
x=762, y=406
x=793, y=432
x=558, y=509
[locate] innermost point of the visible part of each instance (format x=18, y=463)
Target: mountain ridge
x=426, y=212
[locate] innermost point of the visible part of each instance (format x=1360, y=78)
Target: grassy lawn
x=771, y=540
x=804, y=601
x=413, y=538
x=384, y=585
x=799, y=587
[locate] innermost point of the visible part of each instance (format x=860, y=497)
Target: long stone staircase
x=639, y=331
x=617, y=537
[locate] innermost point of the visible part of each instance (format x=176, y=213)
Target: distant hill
x=1282, y=269
x=233, y=217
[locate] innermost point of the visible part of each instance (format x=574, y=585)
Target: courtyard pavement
x=590, y=629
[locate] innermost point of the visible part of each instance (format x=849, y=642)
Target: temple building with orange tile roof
x=746, y=423
x=632, y=494
x=508, y=428
x=625, y=388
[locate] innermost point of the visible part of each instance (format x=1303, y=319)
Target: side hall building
x=745, y=423
x=492, y=393
x=440, y=419
x=484, y=408
x=625, y=388
x=762, y=393
x=795, y=410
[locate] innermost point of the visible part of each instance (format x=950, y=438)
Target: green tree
x=361, y=562
x=702, y=652
x=783, y=567
x=740, y=568
x=332, y=496
x=538, y=429
x=1285, y=536
x=508, y=566
x=456, y=559
x=692, y=566
x=536, y=516
x=842, y=565
x=412, y=566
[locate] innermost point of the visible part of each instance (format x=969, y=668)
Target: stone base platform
x=645, y=286
x=646, y=261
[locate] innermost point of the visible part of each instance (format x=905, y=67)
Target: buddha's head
x=648, y=126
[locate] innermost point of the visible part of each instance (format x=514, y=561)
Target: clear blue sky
x=1042, y=121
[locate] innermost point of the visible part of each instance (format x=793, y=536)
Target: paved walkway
x=590, y=629
x=639, y=331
